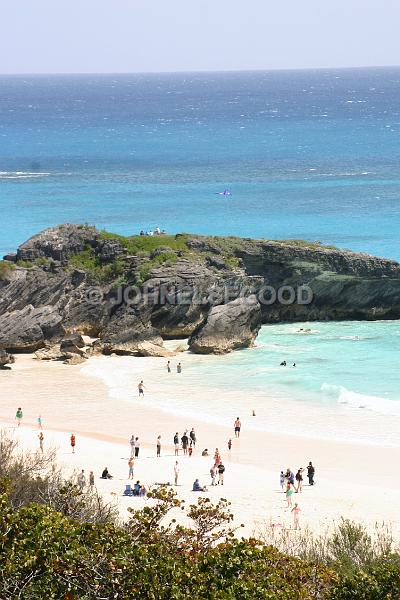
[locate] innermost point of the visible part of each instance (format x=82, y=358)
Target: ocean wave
x=22, y=175
x=376, y=404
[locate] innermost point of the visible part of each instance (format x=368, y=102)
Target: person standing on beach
x=39, y=422
x=176, y=472
x=217, y=457
x=299, y=479
x=132, y=444
x=159, y=445
x=229, y=444
x=185, y=442
x=130, y=465
x=310, y=473
x=282, y=479
x=19, y=416
x=72, y=439
x=221, y=471
x=213, y=473
x=176, y=443
x=91, y=480
x=41, y=438
x=179, y=368
x=296, y=515
x=141, y=388
x=169, y=366
x=289, y=493
x=237, y=426
x=192, y=436
x=81, y=480
x=137, y=447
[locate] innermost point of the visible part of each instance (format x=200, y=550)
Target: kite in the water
x=224, y=193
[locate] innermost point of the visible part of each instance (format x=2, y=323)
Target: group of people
x=293, y=484
x=178, y=367
x=187, y=442
x=156, y=231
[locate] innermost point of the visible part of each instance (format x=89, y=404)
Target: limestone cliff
x=139, y=290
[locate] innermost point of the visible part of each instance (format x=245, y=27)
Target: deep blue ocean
x=306, y=154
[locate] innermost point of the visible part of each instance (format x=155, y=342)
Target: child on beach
x=289, y=493
x=19, y=415
x=130, y=465
x=296, y=515
x=213, y=473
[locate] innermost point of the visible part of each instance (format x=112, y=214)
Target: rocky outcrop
x=132, y=293
x=228, y=327
x=27, y=329
x=6, y=359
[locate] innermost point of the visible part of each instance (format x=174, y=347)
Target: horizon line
x=199, y=71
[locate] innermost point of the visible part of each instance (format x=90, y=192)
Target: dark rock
x=72, y=343
x=12, y=257
x=228, y=327
x=26, y=330
x=6, y=359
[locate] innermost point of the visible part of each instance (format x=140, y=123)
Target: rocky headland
x=130, y=293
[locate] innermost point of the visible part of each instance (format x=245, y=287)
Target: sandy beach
x=353, y=480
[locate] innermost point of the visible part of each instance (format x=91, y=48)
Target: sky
x=125, y=36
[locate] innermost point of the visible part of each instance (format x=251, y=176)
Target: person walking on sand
x=310, y=473
x=41, y=438
x=229, y=444
x=299, y=479
x=91, y=480
x=282, y=479
x=19, y=416
x=169, y=366
x=137, y=447
x=238, y=427
x=72, y=439
x=296, y=515
x=221, y=471
x=179, y=368
x=81, y=480
x=141, y=388
x=39, y=422
x=217, y=457
x=130, y=465
x=159, y=445
x=132, y=445
x=176, y=443
x=176, y=472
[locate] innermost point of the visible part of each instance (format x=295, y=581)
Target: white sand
x=352, y=480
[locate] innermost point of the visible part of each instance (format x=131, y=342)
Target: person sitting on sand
x=197, y=487
x=205, y=452
x=105, y=474
x=142, y=491
x=136, y=488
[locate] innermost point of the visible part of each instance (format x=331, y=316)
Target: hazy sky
x=73, y=36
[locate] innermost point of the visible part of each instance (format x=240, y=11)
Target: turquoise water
x=308, y=154
x=353, y=363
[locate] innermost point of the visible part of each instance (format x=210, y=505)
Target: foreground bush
x=57, y=543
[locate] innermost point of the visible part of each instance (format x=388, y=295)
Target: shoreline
x=352, y=480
